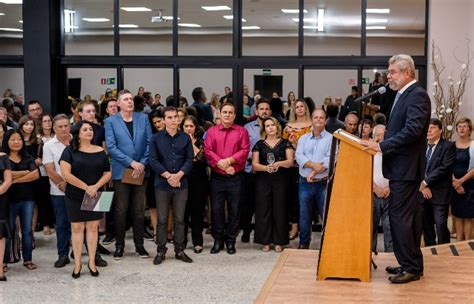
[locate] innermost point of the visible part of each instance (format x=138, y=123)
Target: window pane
x=84, y=34
x=321, y=83
x=153, y=80
x=147, y=32
x=93, y=82
x=267, y=30
x=401, y=30
x=213, y=82
x=11, y=29
x=204, y=32
x=338, y=33
x=12, y=83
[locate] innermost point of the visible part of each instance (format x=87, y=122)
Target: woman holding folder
x=86, y=170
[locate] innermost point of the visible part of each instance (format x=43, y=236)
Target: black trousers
x=164, y=199
x=293, y=205
x=405, y=213
x=435, y=215
x=247, y=205
x=197, y=199
x=43, y=201
x=225, y=189
x=271, y=218
x=133, y=197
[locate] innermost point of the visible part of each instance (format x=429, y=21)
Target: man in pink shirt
x=226, y=148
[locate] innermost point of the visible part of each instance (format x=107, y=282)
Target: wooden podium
x=346, y=242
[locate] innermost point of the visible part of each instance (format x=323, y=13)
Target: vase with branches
x=448, y=94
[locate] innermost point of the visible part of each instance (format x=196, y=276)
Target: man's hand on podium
x=371, y=144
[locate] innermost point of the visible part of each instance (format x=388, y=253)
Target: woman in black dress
x=85, y=168
x=270, y=159
x=198, y=184
x=5, y=183
x=463, y=181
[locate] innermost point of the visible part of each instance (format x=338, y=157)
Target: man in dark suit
x=403, y=152
x=435, y=189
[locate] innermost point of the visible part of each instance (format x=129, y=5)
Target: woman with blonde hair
x=463, y=181
x=271, y=157
x=299, y=124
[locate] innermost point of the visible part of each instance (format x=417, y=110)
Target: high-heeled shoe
x=293, y=236
x=93, y=273
x=3, y=279
x=76, y=275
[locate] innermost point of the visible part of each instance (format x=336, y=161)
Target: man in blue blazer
x=127, y=136
x=435, y=189
x=403, y=152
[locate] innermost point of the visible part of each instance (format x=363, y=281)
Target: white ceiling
x=342, y=16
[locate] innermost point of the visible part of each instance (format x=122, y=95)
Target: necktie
x=395, y=101
x=428, y=156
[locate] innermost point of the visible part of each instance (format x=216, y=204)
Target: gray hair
x=404, y=63
x=381, y=127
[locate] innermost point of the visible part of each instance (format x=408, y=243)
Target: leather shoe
x=62, y=261
x=99, y=261
x=216, y=248
x=231, y=248
x=160, y=257
x=393, y=269
x=404, y=277
x=397, y=270
x=118, y=254
x=183, y=257
x=301, y=246
x=245, y=237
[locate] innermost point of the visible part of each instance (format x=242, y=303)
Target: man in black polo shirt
x=171, y=157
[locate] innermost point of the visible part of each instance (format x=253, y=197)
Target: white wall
x=451, y=23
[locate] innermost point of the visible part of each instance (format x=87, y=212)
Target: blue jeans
x=63, y=226
x=312, y=196
x=24, y=210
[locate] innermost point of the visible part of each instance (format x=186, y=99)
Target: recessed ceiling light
x=310, y=27
x=305, y=19
x=231, y=17
x=321, y=12
x=293, y=11
x=11, y=1
x=376, y=27
x=128, y=25
x=251, y=27
x=377, y=11
x=169, y=18
x=135, y=9
x=376, y=20
x=189, y=25
x=2, y=14
x=216, y=8
x=9, y=29
x=96, y=19
x=20, y=21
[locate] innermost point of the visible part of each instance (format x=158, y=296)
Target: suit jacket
x=439, y=172
x=124, y=149
x=404, y=146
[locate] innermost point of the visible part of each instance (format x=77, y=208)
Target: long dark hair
x=6, y=138
x=75, y=143
x=198, y=131
x=156, y=113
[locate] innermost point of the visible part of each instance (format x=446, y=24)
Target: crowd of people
x=193, y=163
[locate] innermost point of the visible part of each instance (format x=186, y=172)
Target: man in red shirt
x=226, y=148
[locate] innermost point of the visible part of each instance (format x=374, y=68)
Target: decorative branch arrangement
x=448, y=99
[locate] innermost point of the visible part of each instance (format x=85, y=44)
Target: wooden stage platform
x=447, y=279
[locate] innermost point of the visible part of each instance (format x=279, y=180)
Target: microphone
x=379, y=91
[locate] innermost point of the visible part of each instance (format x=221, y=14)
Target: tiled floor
x=217, y=278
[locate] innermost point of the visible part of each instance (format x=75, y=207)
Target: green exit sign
x=365, y=80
